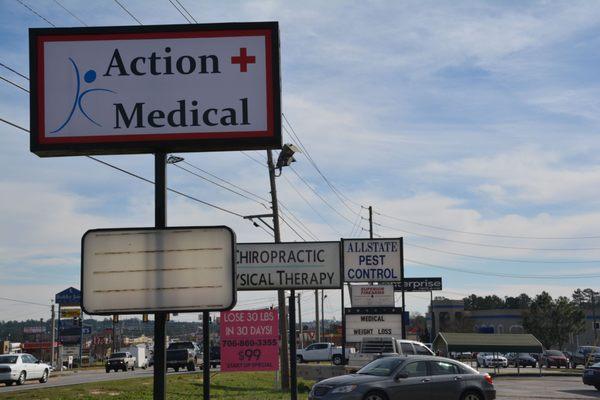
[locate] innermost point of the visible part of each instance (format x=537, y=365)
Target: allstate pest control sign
x=117, y=90
x=372, y=260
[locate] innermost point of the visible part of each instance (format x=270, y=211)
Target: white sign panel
x=372, y=295
x=132, y=271
x=359, y=326
x=161, y=83
x=372, y=260
x=306, y=265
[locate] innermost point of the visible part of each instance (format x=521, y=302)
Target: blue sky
x=474, y=116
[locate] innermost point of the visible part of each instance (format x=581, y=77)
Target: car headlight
x=344, y=389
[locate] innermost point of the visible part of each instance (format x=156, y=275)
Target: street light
x=286, y=156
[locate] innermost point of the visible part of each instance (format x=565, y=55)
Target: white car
x=491, y=360
x=17, y=368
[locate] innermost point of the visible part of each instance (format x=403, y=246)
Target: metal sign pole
x=293, y=361
x=402, y=283
x=343, y=327
x=160, y=318
x=206, y=354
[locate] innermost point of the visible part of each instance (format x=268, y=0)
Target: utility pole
x=370, y=222
x=300, y=323
x=283, y=353
x=317, y=322
x=323, y=296
x=53, y=333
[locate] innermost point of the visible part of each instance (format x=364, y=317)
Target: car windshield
x=381, y=367
x=119, y=355
x=555, y=353
x=586, y=350
x=8, y=359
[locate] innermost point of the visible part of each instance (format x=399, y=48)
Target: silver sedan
x=408, y=377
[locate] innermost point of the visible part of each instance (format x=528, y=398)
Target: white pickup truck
x=372, y=348
x=322, y=352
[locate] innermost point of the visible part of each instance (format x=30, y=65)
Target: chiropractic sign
x=115, y=90
x=305, y=265
x=372, y=260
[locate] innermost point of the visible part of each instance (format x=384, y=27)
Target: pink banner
x=249, y=340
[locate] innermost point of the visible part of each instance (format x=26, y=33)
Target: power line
x=127, y=11
x=70, y=13
x=186, y=10
x=14, y=84
x=504, y=275
x=487, y=234
x=14, y=71
x=24, y=302
x=498, y=246
x=35, y=12
x=503, y=259
x=180, y=12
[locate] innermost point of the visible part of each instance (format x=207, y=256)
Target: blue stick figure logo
x=89, y=77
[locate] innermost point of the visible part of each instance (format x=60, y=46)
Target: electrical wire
x=35, y=12
x=24, y=302
x=186, y=10
x=70, y=13
x=14, y=84
x=489, y=234
x=180, y=12
x=498, y=246
x=127, y=11
x=13, y=71
x=503, y=275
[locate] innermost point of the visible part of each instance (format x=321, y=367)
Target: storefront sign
x=306, y=265
x=373, y=321
x=74, y=312
x=372, y=295
x=68, y=297
x=372, y=260
x=142, y=270
x=117, y=90
x=34, y=329
x=419, y=284
x=249, y=341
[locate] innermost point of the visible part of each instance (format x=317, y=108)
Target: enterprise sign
x=143, y=270
x=372, y=260
x=419, y=285
x=140, y=89
x=306, y=265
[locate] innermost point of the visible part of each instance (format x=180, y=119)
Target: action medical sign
x=249, y=340
x=373, y=321
x=143, y=89
x=372, y=295
x=419, y=285
x=306, y=265
x=143, y=270
x=372, y=260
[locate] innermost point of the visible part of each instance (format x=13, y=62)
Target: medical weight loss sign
x=372, y=260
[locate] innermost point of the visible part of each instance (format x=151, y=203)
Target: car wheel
x=107, y=370
x=191, y=367
x=597, y=387
x=337, y=360
x=9, y=383
x=133, y=367
x=299, y=359
x=472, y=396
x=22, y=378
x=44, y=377
x=375, y=396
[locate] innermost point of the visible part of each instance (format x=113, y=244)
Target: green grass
x=238, y=386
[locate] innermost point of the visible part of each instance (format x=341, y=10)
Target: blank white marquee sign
x=148, y=270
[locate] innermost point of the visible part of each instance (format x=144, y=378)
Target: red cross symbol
x=243, y=59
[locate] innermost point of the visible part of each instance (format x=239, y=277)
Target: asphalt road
x=508, y=388
x=83, y=377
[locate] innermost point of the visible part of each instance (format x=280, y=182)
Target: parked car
x=17, y=368
x=554, y=358
x=591, y=375
x=372, y=348
x=581, y=355
x=183, y=355
x=411, y=377
x=323, y=352
x=521, y=360
x=487, y=360
x=120, y=361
